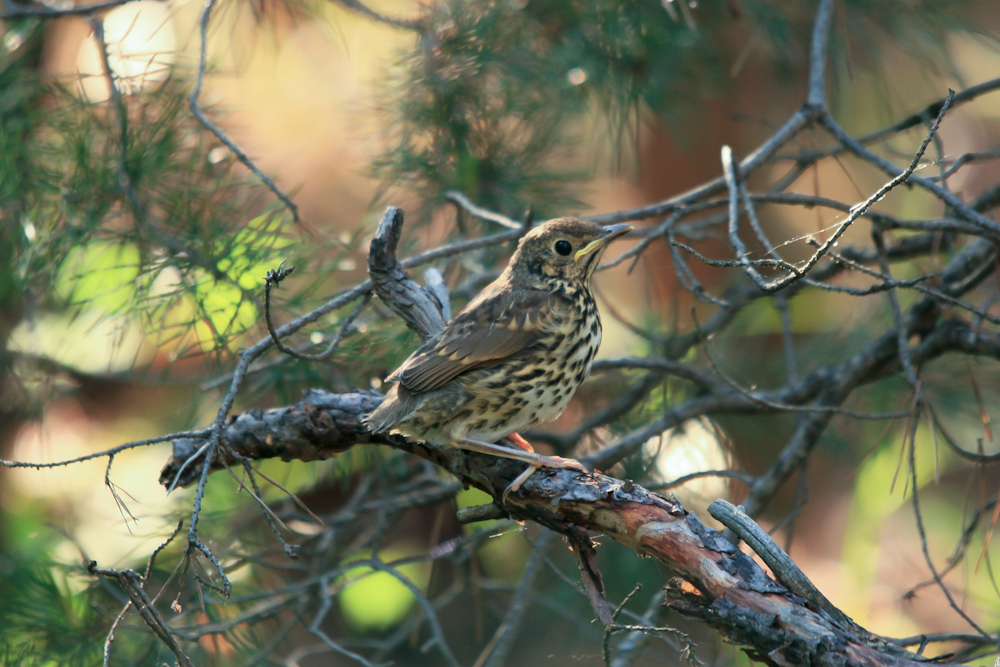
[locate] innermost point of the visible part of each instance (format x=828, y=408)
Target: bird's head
x=566, y=249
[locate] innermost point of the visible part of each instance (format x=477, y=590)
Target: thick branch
x=318, y=427
x=717, y=583
x=418, y=307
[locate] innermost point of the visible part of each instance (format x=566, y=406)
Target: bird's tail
x=394, y=408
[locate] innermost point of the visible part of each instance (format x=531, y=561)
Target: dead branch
x=716, y=583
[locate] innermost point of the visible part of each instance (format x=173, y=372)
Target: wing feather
x=495, y=326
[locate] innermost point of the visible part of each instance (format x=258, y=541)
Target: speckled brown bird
x=513, y=357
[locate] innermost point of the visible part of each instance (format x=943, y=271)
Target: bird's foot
x=534, y=461
x=557, y=462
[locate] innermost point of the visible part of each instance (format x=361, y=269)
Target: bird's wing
x=487, y=332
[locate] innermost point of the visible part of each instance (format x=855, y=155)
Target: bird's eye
x=563, y=247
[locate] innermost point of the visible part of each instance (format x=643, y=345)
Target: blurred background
x=134, y=245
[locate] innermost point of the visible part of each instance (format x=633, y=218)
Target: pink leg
x=520, y=442
x=534, y=460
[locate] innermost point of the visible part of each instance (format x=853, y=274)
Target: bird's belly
x=533, y=396
x=541, y=403
x=552, y=404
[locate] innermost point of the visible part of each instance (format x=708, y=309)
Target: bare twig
x=786, y=571
x=203, y=21
x=273, y=278
x=365, y=10
x=495, y=654
x=466, y=204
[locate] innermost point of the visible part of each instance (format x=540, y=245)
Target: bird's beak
x=611, y=232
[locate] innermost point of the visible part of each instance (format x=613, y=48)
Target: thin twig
x=365, y=10
x=203, y=21
x=499, y=646
x=466, y=204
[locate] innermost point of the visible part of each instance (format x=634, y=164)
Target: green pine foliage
x=135, y=215
x=497, y=96
x=44, y=624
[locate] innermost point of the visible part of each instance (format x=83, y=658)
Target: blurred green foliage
x=45, y=623
x=362, y=584
x=499, y=94
x=487, y=105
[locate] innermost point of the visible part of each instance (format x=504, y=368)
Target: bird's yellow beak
x=610, y=234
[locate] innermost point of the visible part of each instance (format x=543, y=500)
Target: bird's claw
x=557, y=462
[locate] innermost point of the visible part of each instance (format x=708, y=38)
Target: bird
x=513, y=357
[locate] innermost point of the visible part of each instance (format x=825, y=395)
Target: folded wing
x=489, y=331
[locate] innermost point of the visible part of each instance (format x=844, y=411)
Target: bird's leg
x=535, y=461
x=516, y=439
